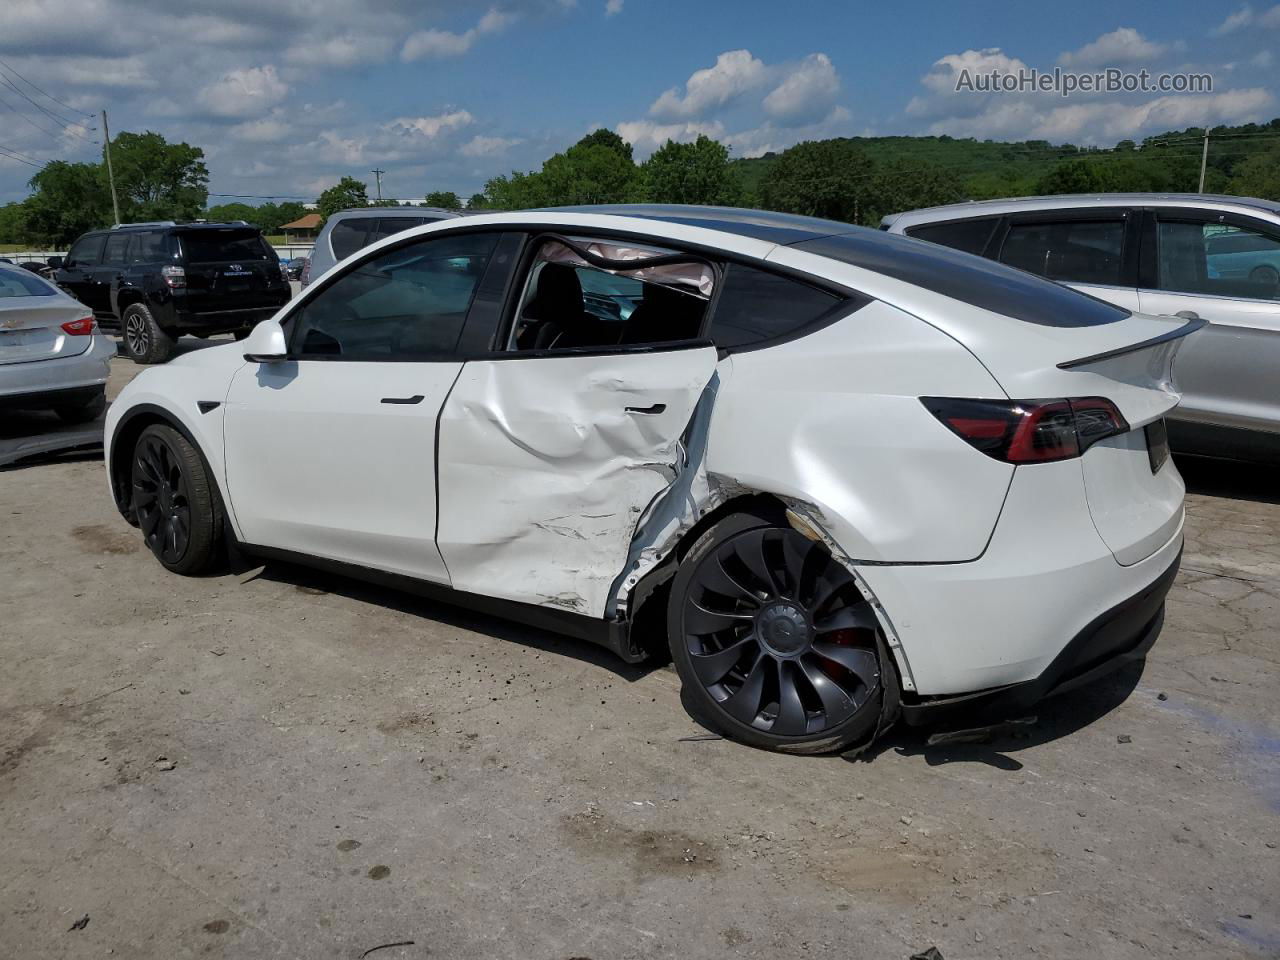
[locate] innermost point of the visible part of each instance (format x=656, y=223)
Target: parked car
x=347, y=231
x=295, y=267
x=52, y=355
x=156, y=281
x=1183, y=254
x=847, y=475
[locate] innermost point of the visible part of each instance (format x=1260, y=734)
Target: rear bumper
x=22, y=383
x=1121, y=635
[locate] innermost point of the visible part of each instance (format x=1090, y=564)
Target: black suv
x=154, y=282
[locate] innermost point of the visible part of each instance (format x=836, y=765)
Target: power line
x=5, y=155
x=66, y=125
x=43, y=92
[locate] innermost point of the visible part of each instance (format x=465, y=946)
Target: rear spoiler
x=1191, y=326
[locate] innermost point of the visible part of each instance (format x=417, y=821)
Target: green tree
x=478, y=201
x=590, y=173
x=893, y=191
x=520, y=191
x=446, y=199
x=604, y=137
x=68, y=199
x=158, y=180
x=695, y=172
x=347, y=192
x=818, y=178
x=234, y=211
x=1259, y=176
x=13, y=222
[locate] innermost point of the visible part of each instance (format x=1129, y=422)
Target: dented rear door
x=547, y=462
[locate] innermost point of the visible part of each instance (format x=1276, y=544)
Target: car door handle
x=655, y=408
x=1187, y=315
x=416, y=398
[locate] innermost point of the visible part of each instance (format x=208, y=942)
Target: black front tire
x=84, y=412
x=774, y=644
x=174, y=501
x=144, y=340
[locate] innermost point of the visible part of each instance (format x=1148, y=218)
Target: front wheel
x=174, y=501
x=774, y=643
x=1266, y=275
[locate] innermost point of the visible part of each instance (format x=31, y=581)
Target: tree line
x=855, y=180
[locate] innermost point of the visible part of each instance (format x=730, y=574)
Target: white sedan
x=846, y=477
x=52, y=354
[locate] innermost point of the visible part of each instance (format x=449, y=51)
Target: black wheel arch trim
x=127, y=426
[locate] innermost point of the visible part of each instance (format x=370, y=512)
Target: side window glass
x=408, y=303
x=388, y=226
x=86, y=252
x=756, y=305
x=117, y=247
x=348, y=236
x=971, y=236
x=573, y=303
x=1075, y=251
x=148, y=247
x=1217, y=259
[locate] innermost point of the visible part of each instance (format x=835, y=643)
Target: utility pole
x=378, y=172
x=111, y=177
x=1204, y=160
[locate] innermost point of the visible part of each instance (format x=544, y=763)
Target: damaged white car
x=845, y=476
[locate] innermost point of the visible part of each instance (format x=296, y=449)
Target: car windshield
x=202, y=246
x=23, y=283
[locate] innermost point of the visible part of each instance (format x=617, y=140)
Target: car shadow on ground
x=1230, y=478
x=312, y=581
x=1053, y=719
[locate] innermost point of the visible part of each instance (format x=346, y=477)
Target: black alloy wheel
x=776, y=638
x=173, y=501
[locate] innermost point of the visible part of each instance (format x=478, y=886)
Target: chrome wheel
x=137, y=334
x=778, y=634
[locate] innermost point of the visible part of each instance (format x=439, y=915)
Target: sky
x=286, y=96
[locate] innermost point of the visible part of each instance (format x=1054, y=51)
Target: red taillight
x=1029, y=431
x=78, y=328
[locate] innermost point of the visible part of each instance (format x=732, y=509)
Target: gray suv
x=1187, y=255
x=347, y=231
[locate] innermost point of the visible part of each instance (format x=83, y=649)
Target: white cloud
x=735, y=72
x=431, y=127
x=443, y=43
x=244, y=93
x=806, y=93
x=1235, y=21
x=1125, y=45
x=480, y=146
x=645, y=136
x=612, y=8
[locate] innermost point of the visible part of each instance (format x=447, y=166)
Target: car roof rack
x=145, y=223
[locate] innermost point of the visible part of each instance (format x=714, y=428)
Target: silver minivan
x=347, y=231
x=1187, y=255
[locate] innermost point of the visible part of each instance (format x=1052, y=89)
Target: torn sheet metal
x=546, y=467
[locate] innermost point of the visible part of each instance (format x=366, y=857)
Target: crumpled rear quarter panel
x=834, y=419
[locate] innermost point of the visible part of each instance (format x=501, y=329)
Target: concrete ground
x=276, y=763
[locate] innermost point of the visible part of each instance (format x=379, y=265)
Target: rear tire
x=774, y=644
x=85, y=412
x=1266, y=275
x=144, y=341
x=174, y=501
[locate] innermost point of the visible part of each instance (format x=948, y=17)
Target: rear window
x=205, y=246
x=23, y=283
x=969, y=279
x=348, y=236
x=1073, y=251
x=388, y=226
x=971, y=236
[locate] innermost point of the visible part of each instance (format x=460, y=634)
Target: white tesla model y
x=846, y=476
